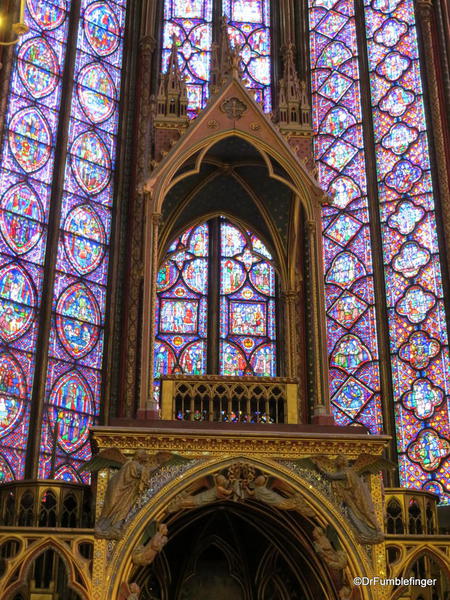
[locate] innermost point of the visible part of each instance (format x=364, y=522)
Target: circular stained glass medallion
x=12, y=393
x=71, y=406
x=17, y=300
x=96, y=92
x=91, y=163
x=84, y=239
x=77, y=320
x=49, y=15
x=102, y=28
x=38, y=67
x=21, y=216
x=29, y=139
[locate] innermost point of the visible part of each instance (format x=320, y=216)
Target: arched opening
x=415, y=524
x=216, y=307
x=47, y=576
x=428, y=566
x=235, y=271
x=394, y=521
x=241, y=552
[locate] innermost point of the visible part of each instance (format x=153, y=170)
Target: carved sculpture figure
x=351, y=489
x=125, y=486
x=146, y=554
x=335, y=559
x=220, y=491
x=129, y=591
x=134, y=592
x=259, y=491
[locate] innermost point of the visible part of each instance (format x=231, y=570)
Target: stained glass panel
x=247, y=304
x=26, y=170
x=189, y=22
x=249, y=28
x=76, y=337
x=181, y=311
x=418, y=332
x=340, y=155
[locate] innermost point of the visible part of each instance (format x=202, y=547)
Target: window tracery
x=246, y=320
x=190, y=23
x=416, y=315
x=29, y=197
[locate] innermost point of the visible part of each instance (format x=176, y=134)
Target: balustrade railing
x=218, y=399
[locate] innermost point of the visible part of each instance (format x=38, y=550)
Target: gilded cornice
x=252, y=443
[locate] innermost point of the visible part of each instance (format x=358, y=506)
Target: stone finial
x=294, y=111
x=172, y=100
x=225, y=60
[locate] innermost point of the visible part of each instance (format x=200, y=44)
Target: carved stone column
x=289, y=300
x=439, y=121
x=294, y=345
x=321, y=405
x=131, y=384
x=148, y=405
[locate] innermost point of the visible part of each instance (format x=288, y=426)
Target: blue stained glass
x=190, y=24
x=76, y=337
x=247, y=304
x=181, y=312
x=249, y=28
x=418, y=339
x=26, y=169
x=339, y=151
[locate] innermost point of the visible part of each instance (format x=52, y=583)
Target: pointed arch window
x=191, y=24
x=378, y=156
x=56, y=194
x=216, y=304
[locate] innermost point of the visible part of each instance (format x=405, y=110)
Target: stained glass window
x=247, y=305
x=417, y=325
x=181, y=311
x=29, y=196
x=189, y=22
x=339, y=151
x=26, y=176
x=76, y=338
x=249, y=28
x=247, y=328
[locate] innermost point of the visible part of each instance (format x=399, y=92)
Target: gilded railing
x=229, y=399
x=410, y=512
x=32, y=503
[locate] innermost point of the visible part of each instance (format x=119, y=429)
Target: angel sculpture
x=219, y=491
x=352, y=490
x=145, y=555
x=259, y=491
x=125, y=486
x=335, y=559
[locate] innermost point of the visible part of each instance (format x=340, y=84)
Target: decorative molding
x=233, y=108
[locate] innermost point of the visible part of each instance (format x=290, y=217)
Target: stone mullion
x=381, y=311
x=6, y=64
x=439, y=122
x=111, y=375
x=131, y=370
x=148, y=407
x=320, y=392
